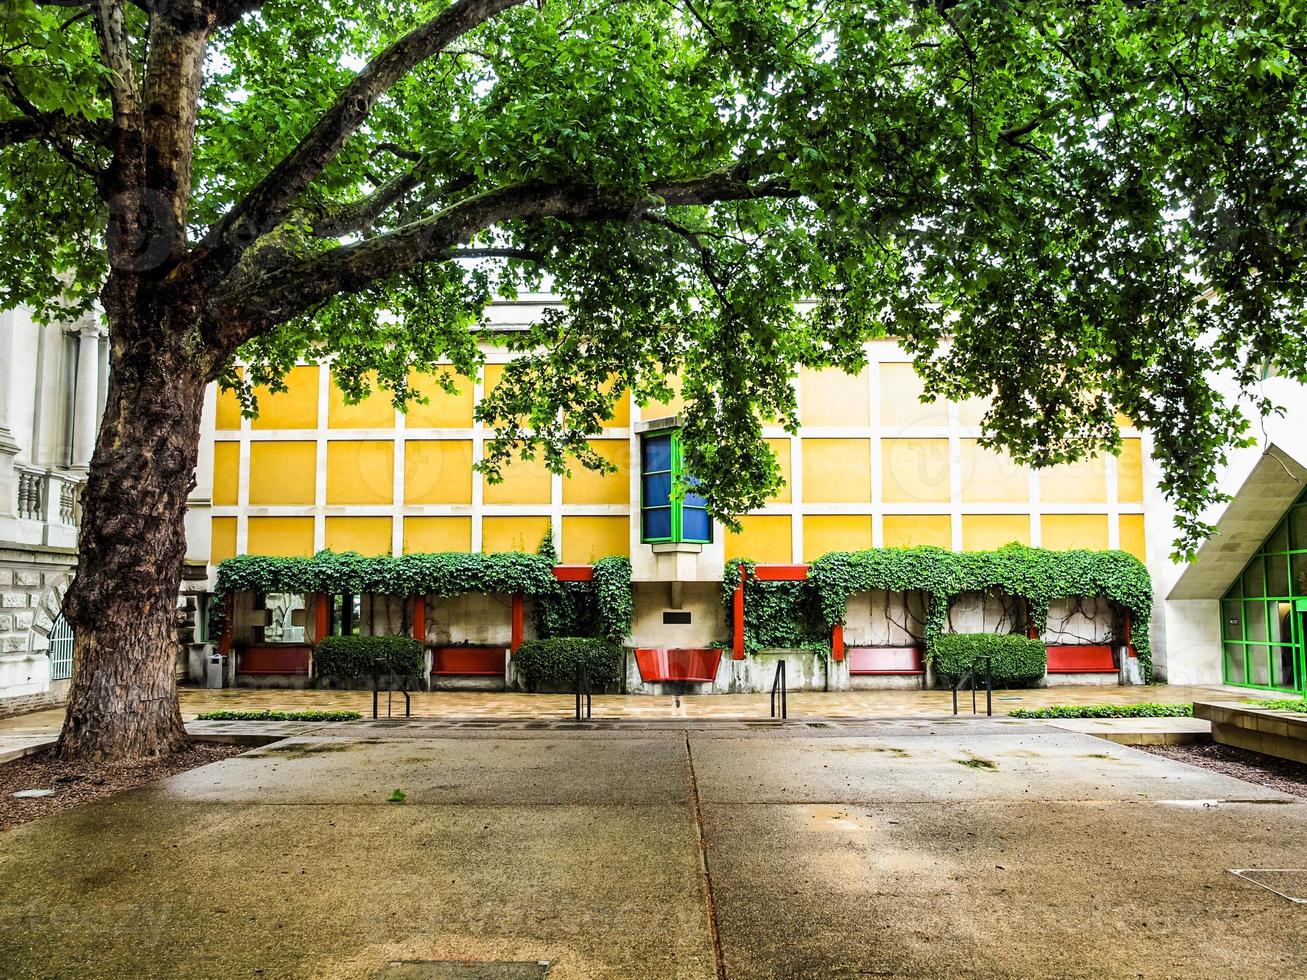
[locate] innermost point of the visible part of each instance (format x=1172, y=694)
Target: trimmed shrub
x=1147, y=710
x=554, y=662
x=348, y=657
x=279, y=716
x=1015, y=658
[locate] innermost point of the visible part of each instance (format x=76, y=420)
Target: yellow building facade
x=871, y=465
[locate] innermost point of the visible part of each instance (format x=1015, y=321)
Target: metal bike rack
x=970, y=678
x=583, y=690
x=778, y=687
x=390, y=690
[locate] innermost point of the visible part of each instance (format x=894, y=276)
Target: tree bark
x=123, y=601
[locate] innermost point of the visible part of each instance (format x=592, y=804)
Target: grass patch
x=279, y=716
x=1147, y=710
x=1284, y=704
x=984, y=764
x=399, y=796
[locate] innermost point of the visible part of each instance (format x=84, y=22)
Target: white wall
x=884, y=619
x=702, y=600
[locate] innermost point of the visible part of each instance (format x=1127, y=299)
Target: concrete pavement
x=915, y=847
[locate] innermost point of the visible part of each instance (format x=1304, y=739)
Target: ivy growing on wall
x=445, y=573
x=605, y=609
x=612, y=585
x=602, y=607
x=1038, y=575
x=784, y=615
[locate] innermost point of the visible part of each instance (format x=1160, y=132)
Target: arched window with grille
x=61, y=650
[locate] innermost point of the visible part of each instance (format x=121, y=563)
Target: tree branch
x=52, y=128
x=413, y=156
x=259, y=299
x=358, y=216
x=230, y=11
x=525, y=254
x=265, y=206
x=111, y=31
x=20, y=130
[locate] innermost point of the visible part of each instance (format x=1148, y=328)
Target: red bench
x=1081, y=660
x=273, y=659
x=697, y=666
x=467, y=661
x=894, y=661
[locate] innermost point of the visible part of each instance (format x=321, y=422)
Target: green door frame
x=1289, y=551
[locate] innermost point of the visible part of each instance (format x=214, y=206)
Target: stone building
x=52, y=389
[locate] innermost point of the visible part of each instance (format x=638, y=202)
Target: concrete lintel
x=1271, y=487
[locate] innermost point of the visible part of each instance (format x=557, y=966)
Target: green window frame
x=665, y=518
x=1264, y=612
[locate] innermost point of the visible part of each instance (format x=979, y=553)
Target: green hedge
x=554, y=662
x=347, y=657
x=1015, y=658
x=1283, y=704
x=1146, y=710
x=279, y=716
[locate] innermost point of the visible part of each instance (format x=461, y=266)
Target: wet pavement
x=913, y=847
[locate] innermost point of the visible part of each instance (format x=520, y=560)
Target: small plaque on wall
x=676, y=617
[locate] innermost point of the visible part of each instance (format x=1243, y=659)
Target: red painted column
x=225, y=641
x=737, y=640
x=837, y=642
x=519, y=609
x=419, y=618
x=321, y=615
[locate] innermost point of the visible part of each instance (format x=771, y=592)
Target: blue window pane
x=695, y=524
x=656, y=523
x=657, y=490
x=694, y=500
x=657, y=453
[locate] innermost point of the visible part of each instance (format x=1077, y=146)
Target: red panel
x=1081, y=660
x=574, y=573
x=885, y=660
x=780, y=573
x=837, y=642
x=274, y=660
x=693, y=665
x=468, y=661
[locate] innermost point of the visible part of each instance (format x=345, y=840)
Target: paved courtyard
x=666, y=848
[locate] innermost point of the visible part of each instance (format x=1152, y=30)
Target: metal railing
x=970, y=677
x=583, y=690
x=390, y=690
x=778, y=686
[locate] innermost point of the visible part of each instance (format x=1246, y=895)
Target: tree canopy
x=1075, y=209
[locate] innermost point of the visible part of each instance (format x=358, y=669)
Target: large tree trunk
x=122, y=604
